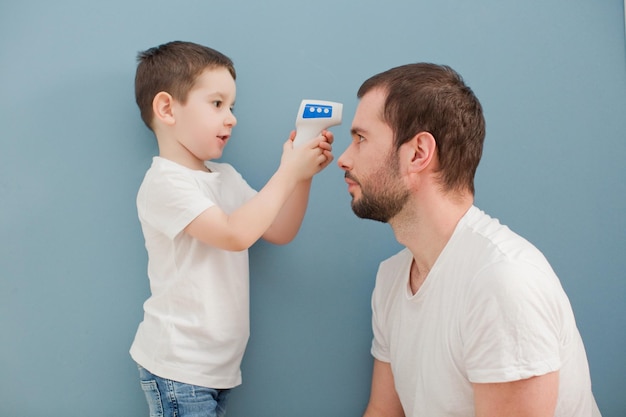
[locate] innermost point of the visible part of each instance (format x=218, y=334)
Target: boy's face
x=204, y=123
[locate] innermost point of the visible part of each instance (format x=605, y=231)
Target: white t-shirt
x=196, y=321
x=490, y=310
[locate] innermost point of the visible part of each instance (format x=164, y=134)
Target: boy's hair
x=173, y=68
x=434, y=98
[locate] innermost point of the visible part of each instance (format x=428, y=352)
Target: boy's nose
x=231, y=120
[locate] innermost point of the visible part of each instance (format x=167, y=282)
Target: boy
x=199, y=218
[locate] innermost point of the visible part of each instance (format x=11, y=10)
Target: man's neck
x=425, y=230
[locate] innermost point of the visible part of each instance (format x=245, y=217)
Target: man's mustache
x=350, y=177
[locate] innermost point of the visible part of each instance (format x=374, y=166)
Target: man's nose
x=344, y=161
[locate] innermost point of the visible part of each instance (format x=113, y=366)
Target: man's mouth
x=351, y=181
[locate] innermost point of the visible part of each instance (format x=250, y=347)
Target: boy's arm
x=288, y=221
x=243, y=227
x=286, y=225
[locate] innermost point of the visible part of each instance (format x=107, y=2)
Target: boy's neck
x=180, y=155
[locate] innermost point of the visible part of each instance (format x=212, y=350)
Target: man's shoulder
x=395, y=266
x=398, y=257
x=491, y=249
x=483, y=232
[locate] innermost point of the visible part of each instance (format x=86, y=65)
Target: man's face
x=371, y=165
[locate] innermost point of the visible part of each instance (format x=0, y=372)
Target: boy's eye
x=217, y=103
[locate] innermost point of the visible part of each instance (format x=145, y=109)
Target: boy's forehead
x=216, y=72
x=215, y=79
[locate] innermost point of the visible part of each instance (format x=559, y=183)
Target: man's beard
x=382, y=193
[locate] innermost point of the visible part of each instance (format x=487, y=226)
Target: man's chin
x=365, y=215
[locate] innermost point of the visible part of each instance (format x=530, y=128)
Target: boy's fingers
x=328, y=136
x=326, y=146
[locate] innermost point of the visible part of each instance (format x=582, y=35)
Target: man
x=469, y=319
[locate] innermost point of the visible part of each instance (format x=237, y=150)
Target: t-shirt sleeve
x=380, y=342
x=510, y=331
x=246, y=192
x=380, y=347
x=170, y=202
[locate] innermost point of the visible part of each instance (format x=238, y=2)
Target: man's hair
x=173, y=68
x=434, y=98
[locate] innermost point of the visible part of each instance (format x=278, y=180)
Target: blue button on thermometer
x=315, y=116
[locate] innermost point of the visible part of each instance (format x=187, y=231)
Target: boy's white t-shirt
x=196, y=321
x=490, y=310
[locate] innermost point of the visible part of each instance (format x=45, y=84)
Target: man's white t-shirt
x=490, y=310
x=196, y=321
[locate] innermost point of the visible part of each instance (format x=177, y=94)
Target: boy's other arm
x=243, y=227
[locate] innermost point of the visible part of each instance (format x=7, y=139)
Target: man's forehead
x=370, y=107
x=375, y=97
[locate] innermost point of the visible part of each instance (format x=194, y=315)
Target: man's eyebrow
x=356, y=130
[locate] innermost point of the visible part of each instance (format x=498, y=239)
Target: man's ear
x=162, y=107
x=421, y=152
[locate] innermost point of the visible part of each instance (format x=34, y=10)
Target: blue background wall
x=551, y=77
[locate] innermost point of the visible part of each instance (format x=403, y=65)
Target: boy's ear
x=163, y=109
x=421, y=152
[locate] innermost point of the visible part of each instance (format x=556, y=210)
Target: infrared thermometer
x=315, y=116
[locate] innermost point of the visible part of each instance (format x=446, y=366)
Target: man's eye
x=359, y=138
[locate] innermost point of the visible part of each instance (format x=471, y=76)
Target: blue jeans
x=167, y=398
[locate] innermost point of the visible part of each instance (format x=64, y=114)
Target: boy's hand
x=306, y=160
x=327, y=147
